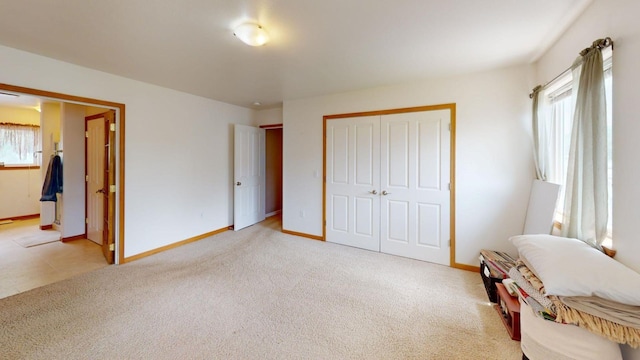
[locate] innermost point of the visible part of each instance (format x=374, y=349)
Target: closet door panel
x=429, y=155
x=398, y=220
x=415, y=146
x=397, y=159
x=340, y=213
x=340, y=159
x=429, y=220
x=353, y=166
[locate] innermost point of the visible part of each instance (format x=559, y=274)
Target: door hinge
x=86, y=220
x=112, y=188
x=112, y=127
x=86, y=134
x=449, y=186
x=86, y=178
x=449, y=126
x=112, y=247
x=449, y=243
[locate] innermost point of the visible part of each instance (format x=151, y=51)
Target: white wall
x=19, y=192
x=178, y=159
x=73, y=172
x=19, y=189
x=494, y=168
x=618, y=20
x=269, y=116
x=19, y=115
x=50, y=130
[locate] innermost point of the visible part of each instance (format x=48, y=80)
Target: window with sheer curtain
x=560, y=104
x=18, y=144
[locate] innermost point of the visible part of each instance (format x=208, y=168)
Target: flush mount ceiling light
x=251, y=34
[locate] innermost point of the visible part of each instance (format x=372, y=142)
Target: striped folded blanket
x=540, y=304
x=606, y=322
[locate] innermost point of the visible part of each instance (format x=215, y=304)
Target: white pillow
x=569, y=267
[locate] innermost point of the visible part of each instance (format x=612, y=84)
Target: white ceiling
x=21, y=101
x=317, y=46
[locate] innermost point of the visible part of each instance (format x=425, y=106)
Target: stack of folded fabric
x=569, y=282
x=498, y=263
x=530, y=289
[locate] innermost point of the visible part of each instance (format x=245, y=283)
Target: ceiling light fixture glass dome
x=251, y=34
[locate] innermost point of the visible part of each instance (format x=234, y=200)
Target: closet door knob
x=373, y=192
x=384, y=192
x=238, y=183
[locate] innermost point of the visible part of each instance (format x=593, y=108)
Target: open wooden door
x=108, y=245
x=100, y=195
x=96, y=137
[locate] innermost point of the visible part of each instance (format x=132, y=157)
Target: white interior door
x=249, y=176
x=414, y=175
x=352, y=183
x=95, y=182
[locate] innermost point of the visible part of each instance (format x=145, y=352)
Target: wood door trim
x=448, y=106
x=110, y=178
x=120, y=121
x=86, y=172
x=174, y=245
x=76, y=237
x=271, y=126
x=452, y=204
x=22, y=217
x=308, y=236
x=466, y=267
x=9, y=167
x=96, y=116
x=58, y=96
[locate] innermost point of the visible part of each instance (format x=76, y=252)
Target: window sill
x=607, y=244
x=19, y=167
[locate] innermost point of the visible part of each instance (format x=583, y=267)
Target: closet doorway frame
x=120, y=140
x=449, y=106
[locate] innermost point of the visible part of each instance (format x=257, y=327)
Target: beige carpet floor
x=258, y=294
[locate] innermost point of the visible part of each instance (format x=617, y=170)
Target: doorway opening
x=75, y=162
x=273, y=165
x=257, y=174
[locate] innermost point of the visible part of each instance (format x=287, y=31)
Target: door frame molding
x=452, y=108
x=120, y=125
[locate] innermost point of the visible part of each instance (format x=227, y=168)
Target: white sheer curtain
x=586, y=197
x=18, y=143
x=540, y=137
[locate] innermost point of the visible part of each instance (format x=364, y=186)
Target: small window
x=18, y=144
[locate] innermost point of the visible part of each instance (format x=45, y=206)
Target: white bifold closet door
x=353, y=181
x=387, y=184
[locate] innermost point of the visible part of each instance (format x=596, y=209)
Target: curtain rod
x=16, y=124
x=600, y=44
